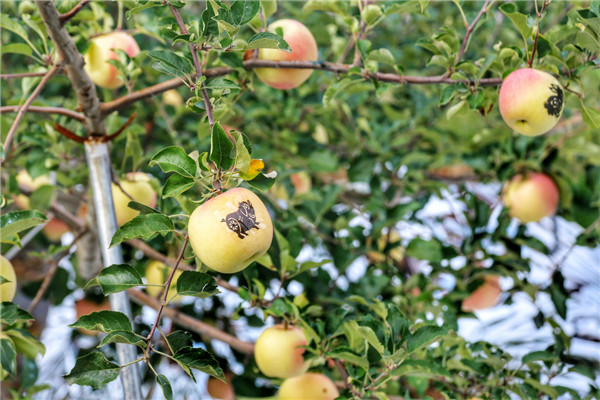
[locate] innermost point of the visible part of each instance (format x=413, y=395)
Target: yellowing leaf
x=255, y=167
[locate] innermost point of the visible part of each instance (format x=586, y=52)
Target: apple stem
x=537, y=32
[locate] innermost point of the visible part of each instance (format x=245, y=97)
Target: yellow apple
x=531, y=101
x=278, y=352
x=137, y=185
x=100, y=51
x=531, y=198
x=7, y=289
x=54, y=229
x=484, y=296
x=304, y=48
x=309, y=386
x=231, y=230
x=172, y=98
x=220, y=390
x=24, y=180
x=157, y=274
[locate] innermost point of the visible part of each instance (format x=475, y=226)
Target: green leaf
x=538, y=356
x=242, y=11
x=221, y=148
x=8, y=356
x=10, y=314
x=123, y=337
x=143, y=226
x=263, y=182
x=17, y=221
x=340, y=7
x=197, y=284
x=103, y=321
x=518, y=19
x=178, y=340
x=93, y=370
x=16, y=48
x=165, y=386
x=222, y=84
x=369, y=335
x=174, y=159
x=423, y=368
x=541, y=388
x=447, y=95
x=116, y=278
x=41, y=197
x=171, y=63
x=25, y=343
x=559, y=295
x=425, y=250
x=242, y=154
x=383, y=56
x=140, y=6
x=268, y=40
x=424, y=336
x=350, y=357
x=590, y=115
x=142, y=208
x=14, y=26
x=177, y=184
x=199, y=359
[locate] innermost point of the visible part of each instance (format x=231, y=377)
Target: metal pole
x=98, y=160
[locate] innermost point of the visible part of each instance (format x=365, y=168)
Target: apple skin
x=302, y=182
x=137, y=185
x=484, y=296
x=216, y=244
x=157, y=274
x=304, y=48
x=531, y=101
x=172, y=98
x=531, y=198
x=55, y=229
x=100, y=51
x=24, y=180
x=277, y=351
x=8, y=289
x=310, y=386
x=219, y=390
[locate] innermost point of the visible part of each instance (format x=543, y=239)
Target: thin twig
x=470, y=28
x=73, y=12
x=537, y=32
x=26, y=74
x=50, y=274
x=25, y=107
x=197, y=65
x=46, y=110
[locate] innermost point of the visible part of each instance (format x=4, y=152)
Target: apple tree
x=300, y=199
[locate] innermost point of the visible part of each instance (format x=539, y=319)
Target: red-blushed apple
x=304, y=48
x=531, y=101
x=137, y=185
x=101, y=50
x=220, y=390
x=484, y=296
x=310, y=386
x=157, y=274
x=231, y=230
x=87, y=306
x=531, y=197
x=302, y=182
x=55, y=229
x=25, y=181
x=7, y=289
x=278, y=352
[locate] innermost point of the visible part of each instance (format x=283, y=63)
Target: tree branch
x=46, y=110
x=192, y=324
x=23, y=109
x=470, y=28
x=73, y=12
x=26, y=74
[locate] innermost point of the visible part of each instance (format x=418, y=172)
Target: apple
x=137, y=185
x=157, y=274
x=54, y=229
x=7, y=289
x=100, y=51
x=230, y=231
x=531, y=197
x=304, y=48
x=484, y=296
x=86, y=306
x=531, y=101
x=308, y=386
x=220, y=390
x=25, y=181
x=172, y=98
x=278, y=352
x=302, y=182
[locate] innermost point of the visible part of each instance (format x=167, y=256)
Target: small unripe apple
x=27, y=182
x=278, y=352
x=157, y=274
x=7, y=289
x=220, y=390
x=484, y=296
x=531, y=101
x=55, y=229
x=531, y=198
x=136, y=185
x=231, y=230
x=304, y=48
x=172, y=98
x=100, y=51
x=308, y=386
